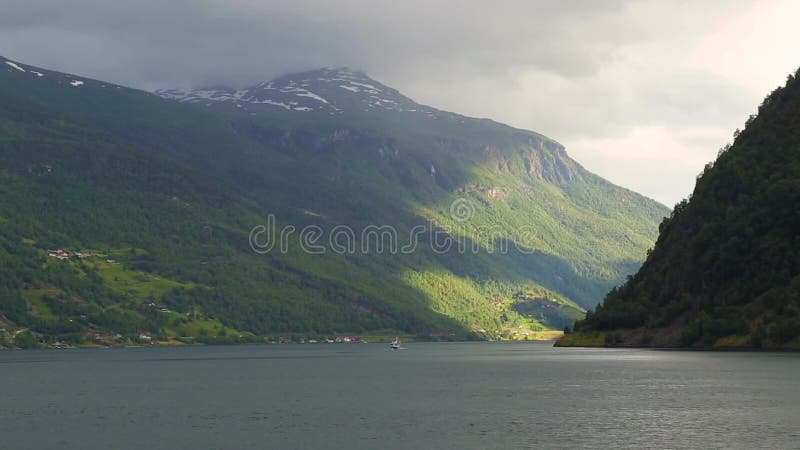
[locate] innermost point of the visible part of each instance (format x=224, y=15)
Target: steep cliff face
x=726, y=268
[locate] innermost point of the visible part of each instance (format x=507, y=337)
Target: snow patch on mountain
x=310, y=94
x=15, y=66
x=270, y=102
x=331, y=90
x=366, y=85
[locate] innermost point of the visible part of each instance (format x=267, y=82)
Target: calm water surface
x=437, y=396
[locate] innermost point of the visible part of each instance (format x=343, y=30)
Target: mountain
x=335, y=91
x=725, y=271
x=175, y=195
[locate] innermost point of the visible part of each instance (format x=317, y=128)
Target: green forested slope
x=170, y=192
x=726, y=268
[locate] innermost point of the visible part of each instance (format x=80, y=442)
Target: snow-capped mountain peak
x=329, y=90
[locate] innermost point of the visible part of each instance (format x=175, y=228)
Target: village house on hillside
x=58, y=254
x=64, y=255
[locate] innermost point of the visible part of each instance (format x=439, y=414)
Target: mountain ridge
x=340, y=90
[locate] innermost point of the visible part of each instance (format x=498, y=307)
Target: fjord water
x=432, y=395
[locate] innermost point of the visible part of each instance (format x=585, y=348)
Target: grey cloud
x=573, y=70
x=167, y=42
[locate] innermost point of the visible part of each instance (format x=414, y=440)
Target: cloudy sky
x=643, y=93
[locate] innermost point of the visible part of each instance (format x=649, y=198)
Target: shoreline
x=600, y=339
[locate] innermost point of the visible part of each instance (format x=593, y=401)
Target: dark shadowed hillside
x=726, y=268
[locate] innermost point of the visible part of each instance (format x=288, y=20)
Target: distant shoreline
x=178, y=343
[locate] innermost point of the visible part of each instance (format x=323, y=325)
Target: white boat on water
x=395, y=345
